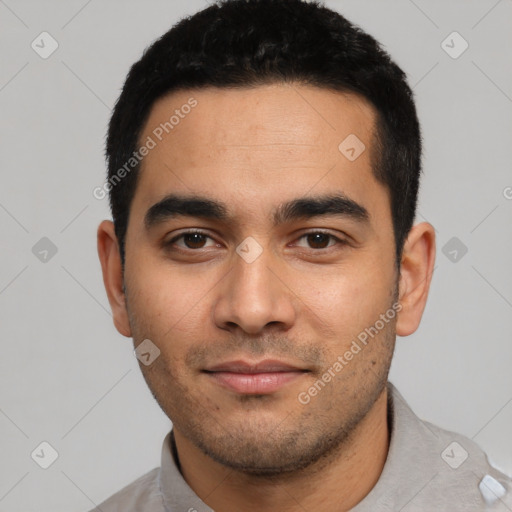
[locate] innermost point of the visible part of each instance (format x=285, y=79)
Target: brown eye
x=318, y=240
x=192, y=240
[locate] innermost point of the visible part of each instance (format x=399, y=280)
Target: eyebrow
x=174, y=205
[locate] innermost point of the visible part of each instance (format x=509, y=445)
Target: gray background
x=68, y=377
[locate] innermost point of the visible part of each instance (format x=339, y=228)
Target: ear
x=416, y=270
x=110, y=258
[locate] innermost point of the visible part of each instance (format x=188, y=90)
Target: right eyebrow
x=174, y=205
x=338, y=205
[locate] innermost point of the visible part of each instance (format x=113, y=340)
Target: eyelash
x=171, y=242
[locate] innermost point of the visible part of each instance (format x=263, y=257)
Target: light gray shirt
x=427, y=469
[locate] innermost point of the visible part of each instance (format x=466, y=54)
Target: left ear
x=416, y=270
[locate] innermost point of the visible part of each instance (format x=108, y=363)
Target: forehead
x=262, y=143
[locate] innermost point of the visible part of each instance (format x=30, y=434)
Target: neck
x=334, y=485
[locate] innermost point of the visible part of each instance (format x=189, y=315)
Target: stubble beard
x=267, y=448
x=308, y=440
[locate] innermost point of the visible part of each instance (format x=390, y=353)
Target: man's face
x=302, y=286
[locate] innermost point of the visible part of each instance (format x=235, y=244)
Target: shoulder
x=142, y=494
x=464, y=472
x=431, y=468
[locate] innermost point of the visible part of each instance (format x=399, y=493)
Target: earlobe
x=417, y=266
x=110, y=259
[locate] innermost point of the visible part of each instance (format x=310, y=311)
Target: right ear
x=110, y=259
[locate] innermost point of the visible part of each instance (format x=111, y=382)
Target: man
x=264, y=161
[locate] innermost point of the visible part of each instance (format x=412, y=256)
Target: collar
x=413, y=462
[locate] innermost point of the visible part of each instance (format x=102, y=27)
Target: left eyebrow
x=174, y=205
x=308, y=207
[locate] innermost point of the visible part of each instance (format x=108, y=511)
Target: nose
x=255, y=295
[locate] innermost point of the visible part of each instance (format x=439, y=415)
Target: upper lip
x=265, y=366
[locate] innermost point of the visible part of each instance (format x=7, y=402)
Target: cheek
x=164, y=297
x=171, y=309
x=349, y=300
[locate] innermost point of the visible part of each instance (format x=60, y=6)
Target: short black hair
x=247, y=43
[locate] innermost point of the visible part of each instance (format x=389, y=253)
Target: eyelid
x=189, y=231
x=339, y=241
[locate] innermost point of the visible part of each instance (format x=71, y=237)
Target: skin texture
x=303, y=301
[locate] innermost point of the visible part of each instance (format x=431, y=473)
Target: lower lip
x=254, y=383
